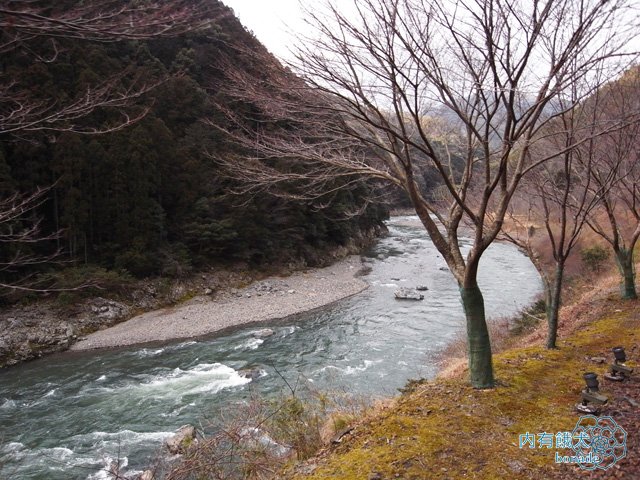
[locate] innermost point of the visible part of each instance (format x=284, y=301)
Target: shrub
x=175, y=261
x=593, y=257
x=80, y=281
x=257, y=438
x=137, y=262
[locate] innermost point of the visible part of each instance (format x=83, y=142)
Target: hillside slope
x=148, y=199
x=445, y=429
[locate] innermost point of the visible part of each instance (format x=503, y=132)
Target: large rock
x=36, y=333
x=263, y=333
x=408, y=294
x=31, y=331
x=180, y=442
x=250, y=373
x=108, y=311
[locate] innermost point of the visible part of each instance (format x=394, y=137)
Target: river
x=69, y=415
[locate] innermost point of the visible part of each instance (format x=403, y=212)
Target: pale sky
x=277, y=22
x=272, y=21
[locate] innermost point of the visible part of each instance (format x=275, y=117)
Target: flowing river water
x=67, y=416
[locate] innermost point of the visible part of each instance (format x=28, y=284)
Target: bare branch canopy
x=378, y=79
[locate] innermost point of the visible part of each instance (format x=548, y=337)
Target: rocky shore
x=29, y=332
x=268, y=299
x=207, y=304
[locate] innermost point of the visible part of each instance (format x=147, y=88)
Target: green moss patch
x=446, y=429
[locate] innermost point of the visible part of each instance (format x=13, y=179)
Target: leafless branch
x=373, y=75
x=35, y=28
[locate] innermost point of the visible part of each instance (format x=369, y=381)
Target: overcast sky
x=272, y=21
x=276, y=22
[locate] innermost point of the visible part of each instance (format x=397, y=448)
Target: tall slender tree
x=619, y=220
x=557, y=199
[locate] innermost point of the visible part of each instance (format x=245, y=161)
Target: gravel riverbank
x=269, y=299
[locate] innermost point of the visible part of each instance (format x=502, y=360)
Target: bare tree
x=560, y=198
x=24, y=20
x=19, y=232
x=21, y=240
x=492, y=69
x=619, y=222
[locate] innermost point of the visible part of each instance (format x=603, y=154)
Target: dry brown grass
x=446, y=429
x=583, y=304
x=256, y=439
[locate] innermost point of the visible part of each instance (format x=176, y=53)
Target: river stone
x=256, y=438
x=184, y=437
x=250, y=373
x=263, y=333
x=408, y=294
x=108, y=309
x=422, y=288
x=146, y=475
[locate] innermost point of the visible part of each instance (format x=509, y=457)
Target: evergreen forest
x=148, y=199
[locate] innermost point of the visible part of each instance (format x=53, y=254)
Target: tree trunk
x=625, y=263
x=479, y=345
x=553, y=305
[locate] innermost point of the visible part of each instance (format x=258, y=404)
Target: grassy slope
x=445, y=429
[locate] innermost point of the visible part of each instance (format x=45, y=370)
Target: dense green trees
x=147, y=198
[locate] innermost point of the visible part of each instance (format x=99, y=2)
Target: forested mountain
x=148, y=199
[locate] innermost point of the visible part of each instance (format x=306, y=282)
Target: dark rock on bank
x=27, y=333
x=250, y=373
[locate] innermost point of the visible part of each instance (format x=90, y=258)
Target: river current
x=68, y=416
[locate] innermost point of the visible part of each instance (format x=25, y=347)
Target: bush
x=594, y=257
x=258, y=437
x=138, y=263
x=77, y=282
x=175, y=261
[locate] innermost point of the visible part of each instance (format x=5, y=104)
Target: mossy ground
x=446, y=429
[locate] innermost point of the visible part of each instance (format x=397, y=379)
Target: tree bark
x=479, y=345
x=625, y=262
x=553, y=293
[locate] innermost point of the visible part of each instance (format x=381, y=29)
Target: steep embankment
x=445, y=429
x=148, y=199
